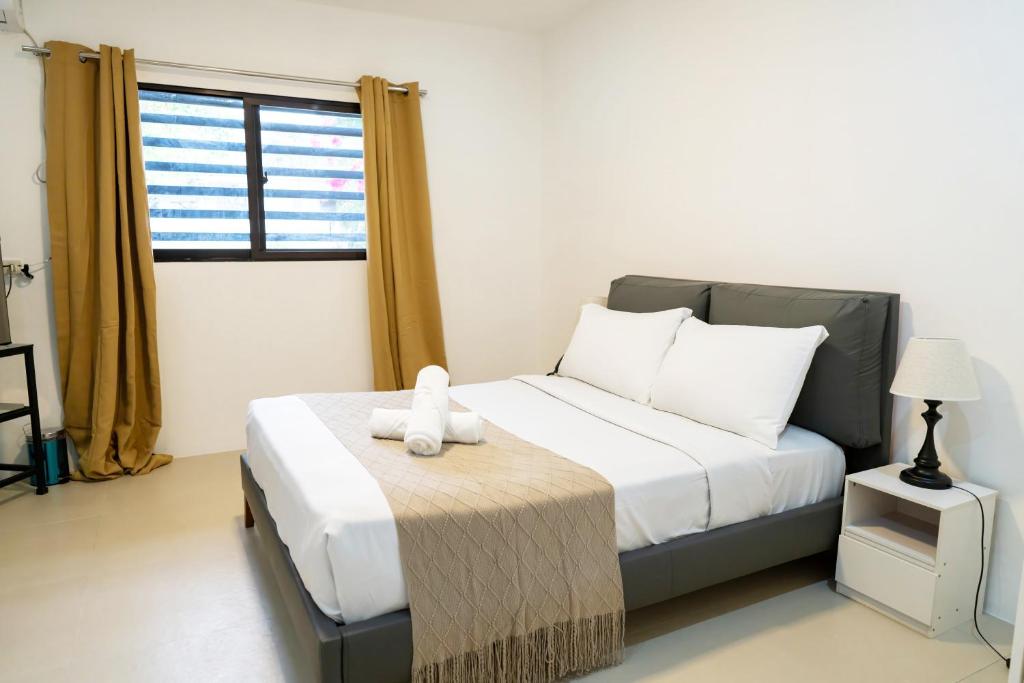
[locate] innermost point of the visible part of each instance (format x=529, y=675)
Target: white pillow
x=739, y=378
x=618, y=351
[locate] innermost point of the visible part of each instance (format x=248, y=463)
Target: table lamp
x=936, y=370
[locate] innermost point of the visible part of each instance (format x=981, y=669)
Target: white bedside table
x=912, y=553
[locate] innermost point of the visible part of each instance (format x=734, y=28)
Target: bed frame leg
x=249, y=522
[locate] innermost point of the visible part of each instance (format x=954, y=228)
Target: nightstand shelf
x=912, y=553
x=900, y=533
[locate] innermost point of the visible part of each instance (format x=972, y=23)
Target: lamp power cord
x=981, y=578
x=25, y=270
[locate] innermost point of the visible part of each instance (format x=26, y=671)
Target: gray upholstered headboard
x=846, y=394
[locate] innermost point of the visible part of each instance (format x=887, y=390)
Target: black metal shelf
x=11, y=411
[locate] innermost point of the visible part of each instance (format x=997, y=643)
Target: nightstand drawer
x=889, y=579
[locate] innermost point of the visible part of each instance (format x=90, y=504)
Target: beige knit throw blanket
x=508, y=550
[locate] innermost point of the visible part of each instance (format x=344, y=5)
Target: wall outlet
x=13, y=263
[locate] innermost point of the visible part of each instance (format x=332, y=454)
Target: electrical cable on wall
x=28, y=270
x=37, y=174
x=981, y=578
x=25, y=270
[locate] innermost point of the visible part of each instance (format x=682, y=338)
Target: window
x=233, y=176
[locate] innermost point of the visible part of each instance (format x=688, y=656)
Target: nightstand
x=911, y=553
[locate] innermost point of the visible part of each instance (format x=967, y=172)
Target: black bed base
x=379, y=650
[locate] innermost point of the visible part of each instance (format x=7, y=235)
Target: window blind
x=313, y=188
x=196, y=174
x=307, y=175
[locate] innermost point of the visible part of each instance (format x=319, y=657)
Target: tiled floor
x=155, y=579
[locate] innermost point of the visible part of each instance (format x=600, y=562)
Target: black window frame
x=257, y=250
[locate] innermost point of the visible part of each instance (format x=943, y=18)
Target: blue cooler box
x=55, y=454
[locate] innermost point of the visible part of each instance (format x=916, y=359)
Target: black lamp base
x=926, y=479
x=925, y=472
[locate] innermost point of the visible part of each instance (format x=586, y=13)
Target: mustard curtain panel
x=103, y=286
x=405, y=311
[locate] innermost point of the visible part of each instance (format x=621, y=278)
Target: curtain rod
x=45, y=52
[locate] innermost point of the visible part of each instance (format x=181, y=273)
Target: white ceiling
x=515, y=15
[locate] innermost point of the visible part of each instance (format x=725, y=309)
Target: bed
x=328, y=534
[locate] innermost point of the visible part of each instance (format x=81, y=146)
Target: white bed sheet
x=338, y=526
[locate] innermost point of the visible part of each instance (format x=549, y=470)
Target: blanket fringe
x=568, y=648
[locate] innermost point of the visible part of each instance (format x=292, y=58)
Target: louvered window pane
x=313, y=195
x=208, y=155
x=194, y=152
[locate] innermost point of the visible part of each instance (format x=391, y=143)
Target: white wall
x=22, y=221
x=232, y=332
x=870, y=145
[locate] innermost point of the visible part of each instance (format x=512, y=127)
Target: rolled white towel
x=425, y=429
x=464, y=428
x=389, y=423
x=429, y=414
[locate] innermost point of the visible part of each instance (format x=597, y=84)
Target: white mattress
x=339, y=529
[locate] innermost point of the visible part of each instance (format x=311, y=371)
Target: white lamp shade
x=936, y=369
